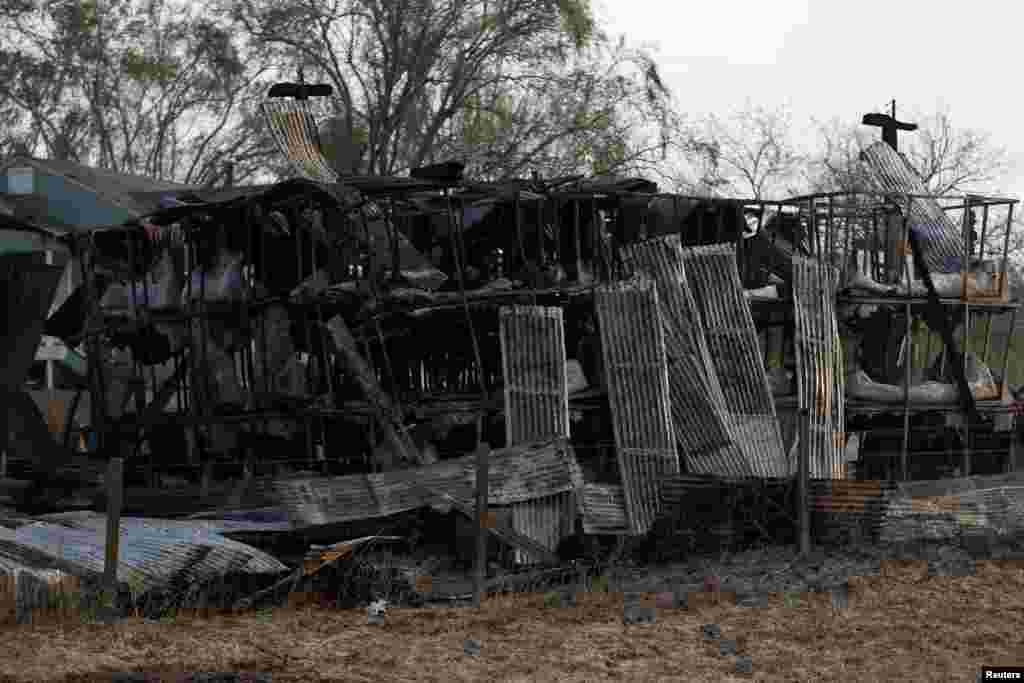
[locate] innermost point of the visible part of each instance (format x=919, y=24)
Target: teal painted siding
x=72, y=204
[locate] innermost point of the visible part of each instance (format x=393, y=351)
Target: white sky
x=833, y=58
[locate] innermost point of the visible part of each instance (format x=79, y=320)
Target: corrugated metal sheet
x=515, y=474
x=636, y=368
x=149, y=557
x=941, y=240
x=735, y=351
x=533, y=364
x=547, y=520
x=92, y=520
x=604, y=509
x=536, y=408
x=820, y=367
x=698, y=404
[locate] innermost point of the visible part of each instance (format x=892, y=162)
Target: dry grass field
x=901, y=625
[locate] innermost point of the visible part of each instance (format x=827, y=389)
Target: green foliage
x=599, y=584
x=609, y=158
x=791, y=600
x=930, y=343
x=552, y=599
x=578, y=21
x=482, y=125
x=597, y=122
x=142, y=68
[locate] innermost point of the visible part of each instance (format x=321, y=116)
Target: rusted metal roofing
x=636, y=367
x=946, y=508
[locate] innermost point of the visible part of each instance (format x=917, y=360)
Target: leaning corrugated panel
x=636, y=368
x=536, y=408
x=820, y=385
x=698, y=405
x=732, y=341
x=533, y=364
x=940, y=239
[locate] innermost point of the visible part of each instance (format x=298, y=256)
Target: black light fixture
x=300, y=90
x=889, y=125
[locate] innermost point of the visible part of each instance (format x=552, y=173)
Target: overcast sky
x=828, y=58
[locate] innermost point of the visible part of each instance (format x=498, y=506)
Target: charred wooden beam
x=389, y=419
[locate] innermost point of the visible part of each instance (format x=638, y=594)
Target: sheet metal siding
x=735, y=350
x=149, y=558
x=698, y=404
x=536, y=408
x=547, y=521
x=515, y=475
x=820, y=383
x=941, y=240
x=533, y=364
x=636, y=367
x=604, y=509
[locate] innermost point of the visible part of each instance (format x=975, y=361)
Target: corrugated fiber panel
x=536, y=408
x=941, y=240
x=636, y=366
x=698, y=405
x=533, y=363
x=736, y=354
x=820, y=384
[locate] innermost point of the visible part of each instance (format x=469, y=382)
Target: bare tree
x=506, y=85
x=751, y=153
x=153, y=88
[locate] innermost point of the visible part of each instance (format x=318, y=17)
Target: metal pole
x=50, y=385
x=967, y=423
x=803, y=472
x=907, y=351
x=483, y=453
x=114, y=485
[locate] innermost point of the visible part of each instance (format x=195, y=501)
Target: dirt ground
x=902, y=623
